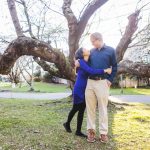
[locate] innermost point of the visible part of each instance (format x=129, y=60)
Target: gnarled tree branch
x=28, y=46
x=51, y=69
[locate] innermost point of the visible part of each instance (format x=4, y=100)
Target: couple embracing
x=95, y=72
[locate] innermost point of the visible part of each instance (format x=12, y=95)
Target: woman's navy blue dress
x=81, y=81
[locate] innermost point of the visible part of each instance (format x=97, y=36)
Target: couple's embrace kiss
x=95, y=72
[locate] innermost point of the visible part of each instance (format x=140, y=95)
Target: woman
x=79, y=89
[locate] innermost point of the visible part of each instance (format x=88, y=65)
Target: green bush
x=37, y=79
x=47, y=78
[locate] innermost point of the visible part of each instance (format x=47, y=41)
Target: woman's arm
x=88, y=69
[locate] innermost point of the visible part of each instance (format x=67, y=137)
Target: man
x=97, y=90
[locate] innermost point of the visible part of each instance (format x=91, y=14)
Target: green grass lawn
x=39, y=87
x=30, y=124
x=130, y=91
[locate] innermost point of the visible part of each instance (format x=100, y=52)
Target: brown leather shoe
x=104, y=138
x=91, y=136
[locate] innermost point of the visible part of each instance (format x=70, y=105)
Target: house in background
x=132, y=82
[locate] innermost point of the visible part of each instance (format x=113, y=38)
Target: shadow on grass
x=112, y=110
x=82, y=144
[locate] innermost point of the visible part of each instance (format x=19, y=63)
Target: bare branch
x=27, y=17
x=144, y=6
x=3, y=40
x=90, y=9
x=50, y=8
x=144, y=29
x=83, y=9
x=127, y=36
x=14, y=16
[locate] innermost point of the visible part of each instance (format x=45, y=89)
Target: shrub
x=37, y=79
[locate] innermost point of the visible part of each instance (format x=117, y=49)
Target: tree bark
x=28, y=46
x=52, y=70
x=77, y=27
x=89, y=11
x=72, y=25
x=127, y=36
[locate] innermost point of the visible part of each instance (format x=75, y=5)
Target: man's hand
x=108, y=83
x=77, y=64
x=108, y=70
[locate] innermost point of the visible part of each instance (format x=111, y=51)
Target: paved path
x=130, y=98
x=36, y=96
x=53, y=96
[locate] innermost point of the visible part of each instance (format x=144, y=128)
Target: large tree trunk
x=77, y=26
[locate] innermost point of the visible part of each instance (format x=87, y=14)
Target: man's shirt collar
x=104, y=46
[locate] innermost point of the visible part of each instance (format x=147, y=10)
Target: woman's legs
x=70, y=116
x=72, y=113
x=80, y=117
x=76, y=107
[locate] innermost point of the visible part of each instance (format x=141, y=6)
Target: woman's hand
x=76, y=63
x=108, y=70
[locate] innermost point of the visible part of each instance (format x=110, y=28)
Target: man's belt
x=96, y=78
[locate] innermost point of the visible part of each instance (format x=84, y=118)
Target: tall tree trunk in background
x=77, y=26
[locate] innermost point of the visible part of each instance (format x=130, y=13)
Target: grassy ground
x=52, y=88
x=28, y=124
x=39, y=87
x=131, y=91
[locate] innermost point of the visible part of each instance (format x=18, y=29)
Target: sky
x=110, y=19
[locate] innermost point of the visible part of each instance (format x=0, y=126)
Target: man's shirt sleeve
x=114, y=66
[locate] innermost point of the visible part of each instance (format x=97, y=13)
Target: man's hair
x=97, y=36
x=79, y=53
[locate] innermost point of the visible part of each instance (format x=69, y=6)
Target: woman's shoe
x=80, y=134
x=67, y=127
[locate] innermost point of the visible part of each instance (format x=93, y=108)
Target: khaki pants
x=97, y=92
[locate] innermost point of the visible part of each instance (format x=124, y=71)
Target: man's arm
x=114, y=67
